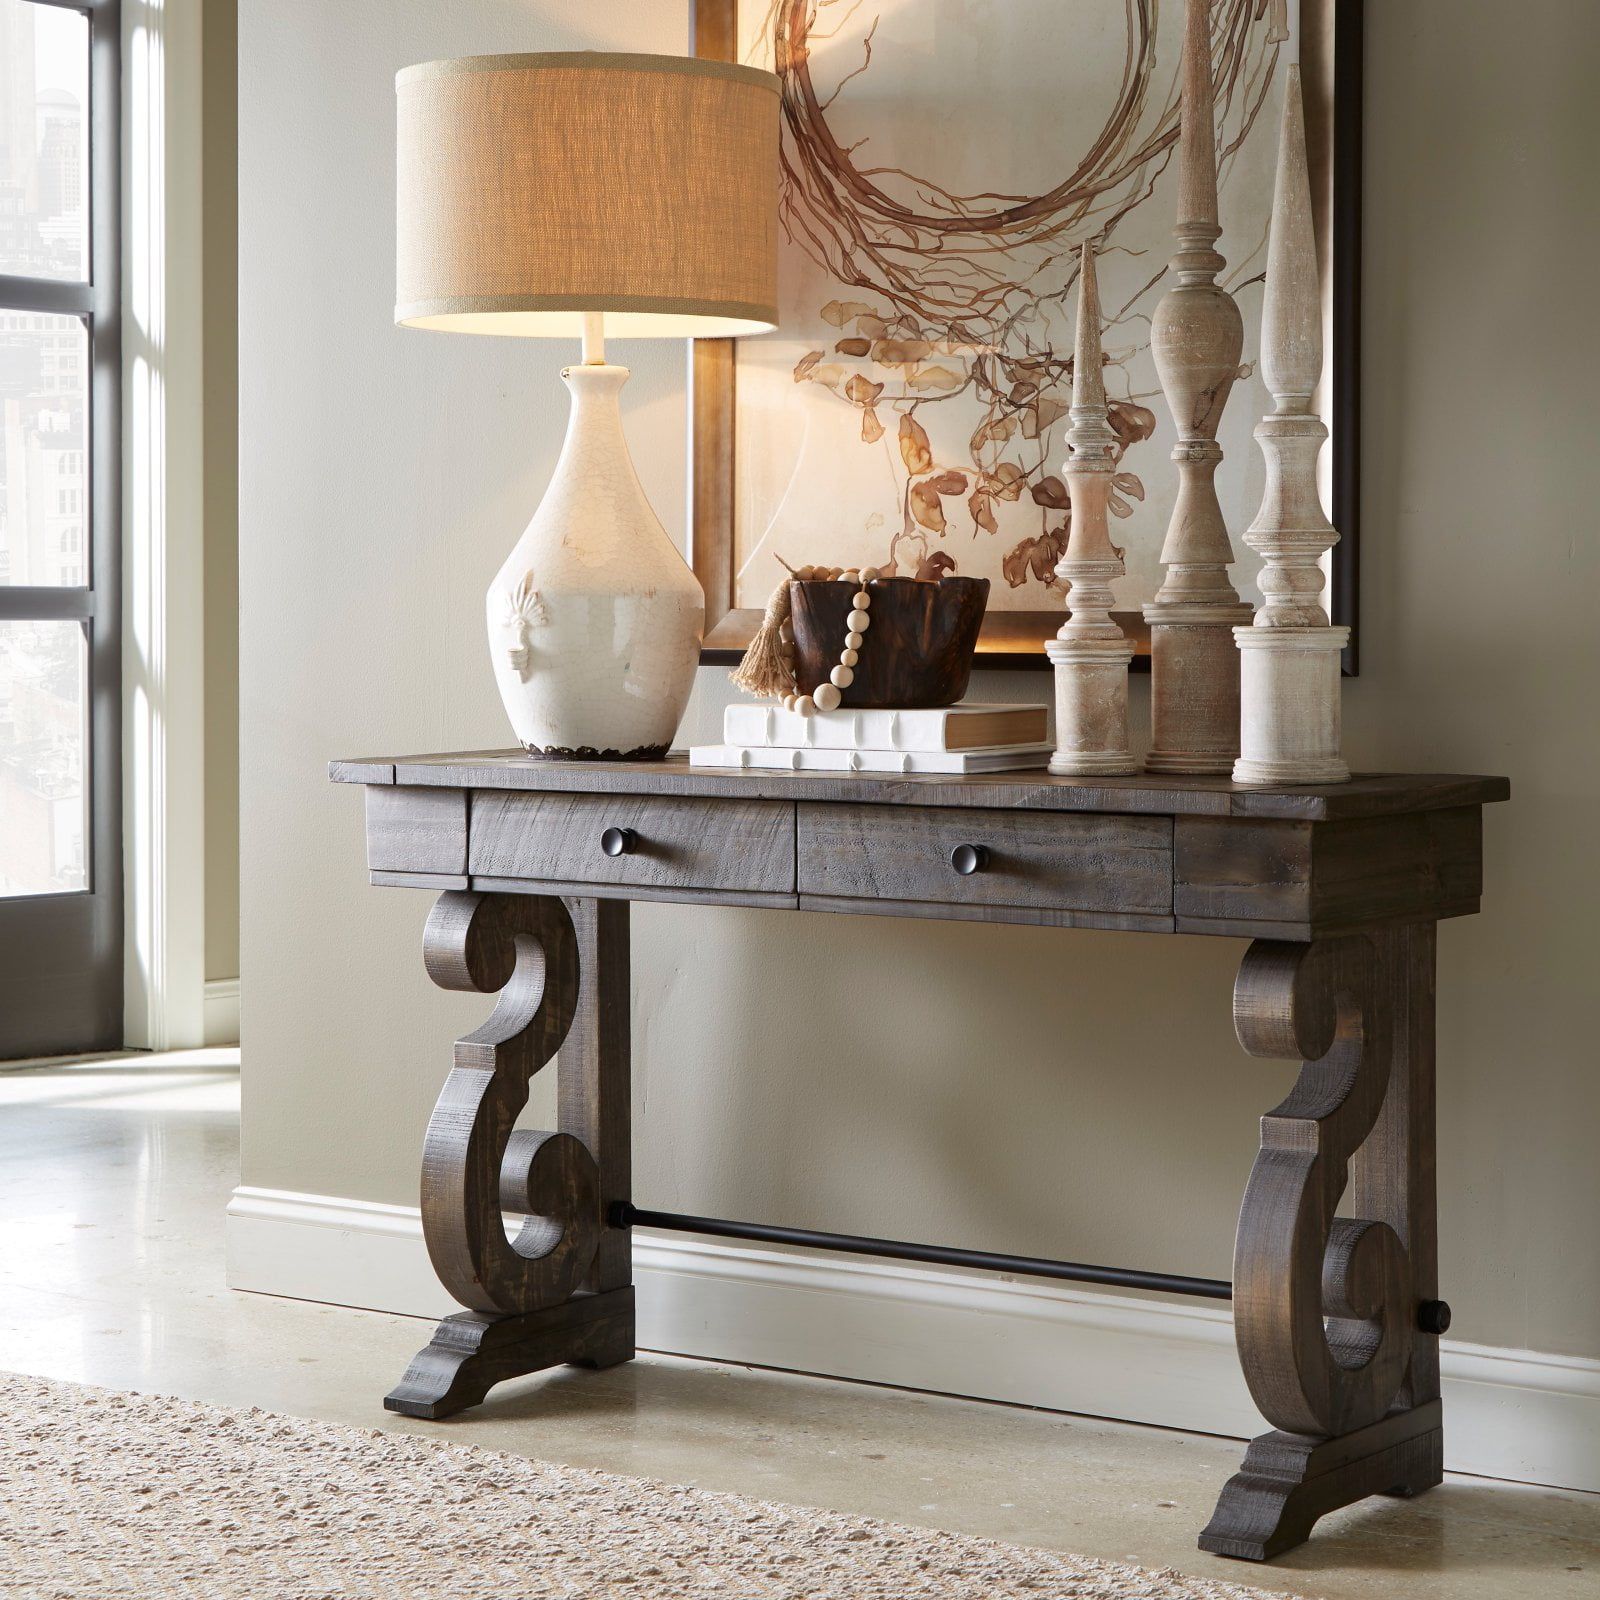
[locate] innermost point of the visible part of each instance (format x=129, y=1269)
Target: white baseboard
x=1512, y=1414
x=222, y=1011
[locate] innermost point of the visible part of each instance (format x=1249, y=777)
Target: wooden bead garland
x=828, y=695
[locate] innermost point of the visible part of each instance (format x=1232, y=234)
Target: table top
x=1366, y=795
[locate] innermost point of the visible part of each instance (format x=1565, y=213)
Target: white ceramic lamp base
x=595, y=620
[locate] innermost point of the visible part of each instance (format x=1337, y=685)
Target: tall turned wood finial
x=1289, y=711
x=1197, y=224
x=1291, y=530
x=1090, y=424
x=1197, y=337
x=1090, y=653
x=1091, y=560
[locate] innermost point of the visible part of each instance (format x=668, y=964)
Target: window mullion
x=20, y=602
x=51, y=297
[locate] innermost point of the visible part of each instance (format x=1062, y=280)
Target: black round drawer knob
x=618, y=841
x=969, y=858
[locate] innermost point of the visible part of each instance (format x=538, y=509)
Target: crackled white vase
x=595, y=620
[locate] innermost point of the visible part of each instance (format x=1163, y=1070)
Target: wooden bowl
x=918, y=651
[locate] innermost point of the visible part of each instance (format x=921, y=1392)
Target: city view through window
x=44, y=447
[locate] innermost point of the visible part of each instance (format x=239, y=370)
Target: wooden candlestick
x=1289, y=706
x=1090, y=653
x=1197, y=337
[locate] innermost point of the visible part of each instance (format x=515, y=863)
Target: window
x=60, y=383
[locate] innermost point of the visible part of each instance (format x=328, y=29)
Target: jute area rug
x=139, y=1497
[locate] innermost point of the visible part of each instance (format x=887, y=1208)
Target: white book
x=972, y=725
x=778, y=758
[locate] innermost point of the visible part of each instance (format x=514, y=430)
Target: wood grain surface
x=1335, y=1270
x=677, y=843
x=1369, y=794
x=1332, y=877
x=471, y=1352
x=1337, y=1244
x=917, y=652
x=593, y=1100
x=1399, y=849
x=414, y=829
x=1072, y=863
x=559, y=1289
x=1289, y=1480
x=523, y=949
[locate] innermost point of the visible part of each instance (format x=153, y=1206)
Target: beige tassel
x=766, y=669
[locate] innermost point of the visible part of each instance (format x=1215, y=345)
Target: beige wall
x=1028, y=1089
x=219, y=242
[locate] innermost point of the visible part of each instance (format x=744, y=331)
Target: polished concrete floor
x=113, y=1179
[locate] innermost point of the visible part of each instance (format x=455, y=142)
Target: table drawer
x=1115, y=869
x=740, y=846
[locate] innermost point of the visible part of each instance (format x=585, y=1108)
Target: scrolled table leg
x=1326, y=1307
x=541, y=1298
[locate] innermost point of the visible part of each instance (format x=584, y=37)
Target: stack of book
x=969, y=737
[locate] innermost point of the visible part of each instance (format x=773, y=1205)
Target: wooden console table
x=1337, y=1316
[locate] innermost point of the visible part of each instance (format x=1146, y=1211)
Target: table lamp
x=568, y=196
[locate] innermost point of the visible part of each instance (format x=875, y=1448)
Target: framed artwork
x=942, y=163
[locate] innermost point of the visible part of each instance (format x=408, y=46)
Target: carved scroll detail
x=1296, y=1263
x=475, y=1164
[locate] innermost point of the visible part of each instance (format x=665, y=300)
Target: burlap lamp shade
x=534, y=188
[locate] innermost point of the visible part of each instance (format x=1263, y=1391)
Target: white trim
x=1510, y=1413
x=222, y=1011
x=163, y=673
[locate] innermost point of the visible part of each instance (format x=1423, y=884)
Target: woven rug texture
x=141, y=1497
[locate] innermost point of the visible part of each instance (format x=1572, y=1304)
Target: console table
x=1337, y=1315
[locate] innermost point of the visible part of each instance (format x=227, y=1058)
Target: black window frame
x=61, y=954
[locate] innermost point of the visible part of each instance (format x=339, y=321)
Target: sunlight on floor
x=176, y=1080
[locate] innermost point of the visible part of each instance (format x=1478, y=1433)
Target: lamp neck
x=594, y=464
x=596, y=419
x=594, y=338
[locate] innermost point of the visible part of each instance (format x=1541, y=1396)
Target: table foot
x=472, y=1351
x=1334, y=1270
x=556, y=1291
x=1288, y=1481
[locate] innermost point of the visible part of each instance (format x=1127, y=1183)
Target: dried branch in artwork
x=952, y=287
